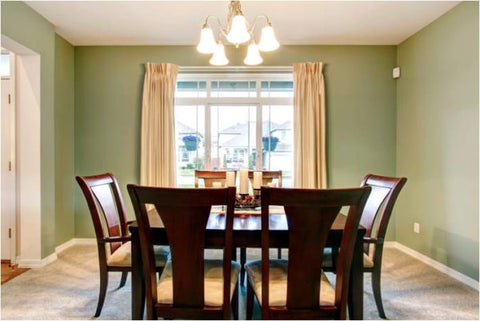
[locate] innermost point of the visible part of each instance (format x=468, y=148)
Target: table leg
x=355, y=292
x=243, y=260
x=138, y=281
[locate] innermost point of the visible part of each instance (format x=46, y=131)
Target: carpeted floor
x=68, y=289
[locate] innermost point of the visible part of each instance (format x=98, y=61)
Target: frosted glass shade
x=253, y=55
x=207, y=42
x=219, y=58
x=268, y=41
x=238, y=30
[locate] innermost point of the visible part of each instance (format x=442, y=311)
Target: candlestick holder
x=246, y=201
x=256, y=193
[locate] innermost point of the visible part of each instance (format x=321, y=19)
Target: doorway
x=24, y=159
x=7, y=156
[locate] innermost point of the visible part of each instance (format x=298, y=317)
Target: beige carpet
x=68, y=289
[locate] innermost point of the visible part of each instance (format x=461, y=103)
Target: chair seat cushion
x=278, y=283
x=123, y=255
x=213, y=283
x=327, y=259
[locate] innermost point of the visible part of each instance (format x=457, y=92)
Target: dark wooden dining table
x=246, y=234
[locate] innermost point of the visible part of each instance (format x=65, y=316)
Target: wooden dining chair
x=297, y=288
x=267, y=177
x=107, y=210
x=375, y=218
x=209, y=177
x=190, y=286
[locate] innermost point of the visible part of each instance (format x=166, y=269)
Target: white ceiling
x=295, y=22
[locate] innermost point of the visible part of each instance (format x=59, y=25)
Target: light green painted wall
x=437, y=140
x=38, y=34
x=361, y=115
x=64, y=140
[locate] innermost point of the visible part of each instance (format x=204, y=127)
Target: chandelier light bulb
x=207, y=42
x=253, y=55
x=268, y=41
x=238, y=30
x=219, y=58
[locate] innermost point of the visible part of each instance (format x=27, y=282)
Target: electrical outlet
x=416, y=227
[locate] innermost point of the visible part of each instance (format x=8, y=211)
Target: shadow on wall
x=456, y=251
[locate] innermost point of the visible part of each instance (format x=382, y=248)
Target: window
x=5, y=69
x=231, y=121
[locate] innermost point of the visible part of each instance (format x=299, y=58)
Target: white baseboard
x=435, y=264
x=35, y=264
x=74, y=241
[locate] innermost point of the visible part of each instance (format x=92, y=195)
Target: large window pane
x=190, y=133
x=233, y=137
x=277, y=141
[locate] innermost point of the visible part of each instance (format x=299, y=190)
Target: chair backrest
x=310, y=214
x=106, y=206
x=380, y=203
x=184, y=213
x=267, y=177
x=209, y=177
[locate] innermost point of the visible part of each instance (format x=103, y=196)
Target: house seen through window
x=229, y=122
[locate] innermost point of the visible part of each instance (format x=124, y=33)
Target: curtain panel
x=310, y=168
x=158, y=163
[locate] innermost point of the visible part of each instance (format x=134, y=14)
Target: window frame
x=257, y=101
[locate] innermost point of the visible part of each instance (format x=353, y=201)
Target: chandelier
x=238, y=31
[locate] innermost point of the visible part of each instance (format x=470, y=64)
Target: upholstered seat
x=278, y=283
x=213, y=275
x=328, y=263
x=123, y=255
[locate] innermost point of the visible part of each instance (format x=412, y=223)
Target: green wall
x=437, y=140
x=361, y=115
x=64, y=140
x=38, y=34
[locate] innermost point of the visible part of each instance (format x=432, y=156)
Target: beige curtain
x=309, y=126
x=157, y=164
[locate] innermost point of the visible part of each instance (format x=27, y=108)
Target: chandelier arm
x=222, y=31
x=256, y=19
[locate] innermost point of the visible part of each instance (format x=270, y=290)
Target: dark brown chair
x=267, y=177
x=297, y=288
x=209, y=177
x=109, y=221
x=190, y=286
x=377, y=211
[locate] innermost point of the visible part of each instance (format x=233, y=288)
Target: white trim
x=62, y=247
x=35, y=264
x=230, y=69
x=435, y=264
x=84, y=241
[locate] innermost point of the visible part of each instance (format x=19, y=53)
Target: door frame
x=28, y=153
x=8, y=111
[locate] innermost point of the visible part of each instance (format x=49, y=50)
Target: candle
x=230, y=181
x=272, y=184
x=244, y=181
x=257, y=180
x=217, y=184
